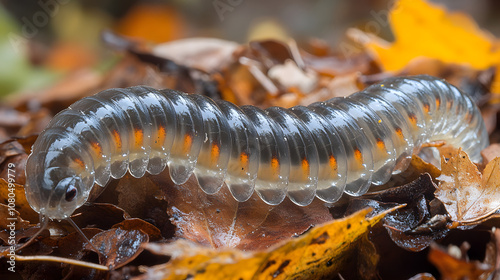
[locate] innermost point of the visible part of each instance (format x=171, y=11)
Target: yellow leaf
x=424, y=29
x=467, y=195
x=495, y=84
x=320, y=252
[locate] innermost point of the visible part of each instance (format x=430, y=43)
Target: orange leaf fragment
x=318, y=253
x=467, y=195
x=428, y=30
x=155, y=22
x=451, y=267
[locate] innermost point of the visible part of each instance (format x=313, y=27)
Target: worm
x=323, y=150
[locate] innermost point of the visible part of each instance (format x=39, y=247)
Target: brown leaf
x=492, y=254
x=11, y=118
x=21, y=204
x=206, y=54
x=118, y=247
x=99, y=215
x=467, y=195
x=63, y=93
x=417, y=225
x=338, y=64
x=72, y=245
x=451, y=267
x=321, y=252
x=490, y=153
x=138, y=224
x=220, y=221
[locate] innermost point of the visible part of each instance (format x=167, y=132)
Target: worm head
x=57, y=200
x=55, y=191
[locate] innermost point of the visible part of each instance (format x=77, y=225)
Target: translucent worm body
x=323, y=150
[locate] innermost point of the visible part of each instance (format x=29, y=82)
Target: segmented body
x=323, y=150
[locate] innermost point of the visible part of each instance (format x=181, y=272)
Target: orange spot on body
x=305, y=167
x=96, y=147
x=413, y=119
x=188, y=141
x=79, y=162
x=244, y=160
x=162, y=134
x=117, y=139
x=438, y=102
x=380, y=144
x=333, y=162
x=358, y=156
x=139, y=138
x=275, y=166
x=214, y=153
x=427, y=108
x=399, y=132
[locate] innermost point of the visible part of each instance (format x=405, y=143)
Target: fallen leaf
x=467, y=195
x=490, y=153
x=155, y=22
x=138, y=224
x=219, y=220
x=318, y=253
x=20, y=202
x=419, y=223
x=425, y=29
x=206, y=54
x=118, y=247
x=70, y=56
x=451, y=267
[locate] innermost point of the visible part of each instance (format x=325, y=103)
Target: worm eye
x=70, y=193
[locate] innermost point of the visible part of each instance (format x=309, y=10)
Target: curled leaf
x=467, y=195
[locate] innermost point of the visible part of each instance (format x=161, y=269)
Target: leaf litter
x=186, y=232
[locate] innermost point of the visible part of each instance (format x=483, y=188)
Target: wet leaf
x=467, y=195
x=316, y=254
x=415, y=226
x=118, y=247
x=218, y=220
x=138, y=224
x=99, y=215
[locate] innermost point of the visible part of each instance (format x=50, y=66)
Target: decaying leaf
x=218, y=220
x=420, y=222
x=318, y=253
x=467, y=195
x=424, y=29
x=118, y=247
x=452, y=267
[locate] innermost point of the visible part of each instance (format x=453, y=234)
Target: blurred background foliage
x=40, y=40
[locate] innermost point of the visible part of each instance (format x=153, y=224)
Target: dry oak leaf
x=468, y=196
x=318, y=253
x=424, y=29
